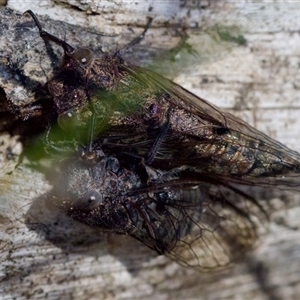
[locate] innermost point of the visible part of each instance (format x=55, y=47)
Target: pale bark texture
x=252, y=69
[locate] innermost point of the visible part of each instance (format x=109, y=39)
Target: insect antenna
x=136, y=40
x=68, y=49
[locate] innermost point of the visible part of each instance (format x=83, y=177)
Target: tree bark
x=250, y=69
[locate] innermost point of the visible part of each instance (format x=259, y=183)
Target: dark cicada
x=137, y=113
x=203, y=223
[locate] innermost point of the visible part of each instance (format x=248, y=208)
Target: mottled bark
x=44, y=253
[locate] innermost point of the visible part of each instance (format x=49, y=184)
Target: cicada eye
x=90, y=200
x=84, y=56
x=67, y=120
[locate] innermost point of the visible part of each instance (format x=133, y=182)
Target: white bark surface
x=44, y=254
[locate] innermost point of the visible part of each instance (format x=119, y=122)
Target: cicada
x=137, y=113
x=204, y=223
x=161, y=164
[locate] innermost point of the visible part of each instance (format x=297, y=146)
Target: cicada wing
x=182, y=98
x=238, y=148
x=200, y=225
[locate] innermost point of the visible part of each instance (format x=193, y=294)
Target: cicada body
x=195, y=222
x=144, y=115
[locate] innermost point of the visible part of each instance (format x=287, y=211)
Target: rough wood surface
x=43, y=253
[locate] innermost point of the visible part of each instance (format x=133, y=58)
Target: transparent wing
x=219, y=144
x=184, y=99
x=200, y=225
